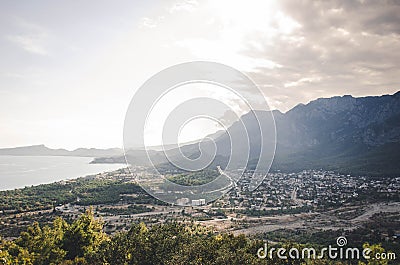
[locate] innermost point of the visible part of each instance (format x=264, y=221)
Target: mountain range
x=42, y=150
x=350, y=135
x=347, y=134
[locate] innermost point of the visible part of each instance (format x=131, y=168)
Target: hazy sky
x=68, y=69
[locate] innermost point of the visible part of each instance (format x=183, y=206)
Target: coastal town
x=319, y=198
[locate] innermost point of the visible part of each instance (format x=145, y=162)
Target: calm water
x=21, y=171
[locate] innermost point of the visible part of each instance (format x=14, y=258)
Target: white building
x=198, y=202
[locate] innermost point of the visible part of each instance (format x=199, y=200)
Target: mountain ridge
x=355, y=135
x=42, y=150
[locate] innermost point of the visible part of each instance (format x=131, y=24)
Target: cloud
x=33, y=39
x=295, y=51
x=32, y=44
x=187, y=5
x=340, y=47
x=151, y=22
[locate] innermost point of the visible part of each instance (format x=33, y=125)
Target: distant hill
x=42, y=150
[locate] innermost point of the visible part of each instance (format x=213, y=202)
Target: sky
x=69, y=69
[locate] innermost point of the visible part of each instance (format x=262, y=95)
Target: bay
x=21, y=171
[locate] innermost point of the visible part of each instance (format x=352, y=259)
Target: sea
x=23, y=171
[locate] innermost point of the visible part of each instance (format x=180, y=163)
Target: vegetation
x=289, y=210
x=82, y=191
x=131, y=209
x=195, y=178
x=84, y=242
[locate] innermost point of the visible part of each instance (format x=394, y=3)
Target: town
x=318, y=198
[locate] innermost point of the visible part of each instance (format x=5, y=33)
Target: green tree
x=44, y=244
x=374, y=250
x=84, y=236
